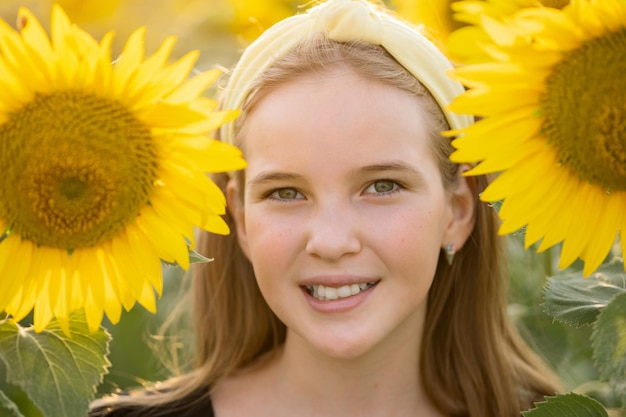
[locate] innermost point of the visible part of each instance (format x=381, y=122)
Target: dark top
x=196, y=405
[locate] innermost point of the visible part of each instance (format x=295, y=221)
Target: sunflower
x=435, y=15
x=465, y=44
x=554, y=127
x=103, y=169
x=457, y=25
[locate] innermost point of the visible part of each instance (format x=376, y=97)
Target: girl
x=363, y=277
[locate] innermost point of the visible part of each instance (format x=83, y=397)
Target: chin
x=344, y=349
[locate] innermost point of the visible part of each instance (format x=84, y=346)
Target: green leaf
x=58, y=372
x=567, y=405
x=575, y=300
x=195, y=257
x=8, y=407
x=609, y=345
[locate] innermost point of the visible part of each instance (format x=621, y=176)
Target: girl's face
x=344, y=212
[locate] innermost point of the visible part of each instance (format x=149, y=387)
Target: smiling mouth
x=323, y=293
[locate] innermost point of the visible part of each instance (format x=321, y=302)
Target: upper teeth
x=322, y=292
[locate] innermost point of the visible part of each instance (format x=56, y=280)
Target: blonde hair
x=472, y=356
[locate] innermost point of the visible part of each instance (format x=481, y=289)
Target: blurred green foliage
x=566, y=349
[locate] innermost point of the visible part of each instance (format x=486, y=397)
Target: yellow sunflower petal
x=60, y=295
x=552, y=29
x=487, y=131
x=103, y=73
x=191, y=188
x=171, y=215
x=508, y=157
x=211, y=155
x=467, y=45
x=176, y=73
x=142, y=93
x=594, y=237
x=146, y=298
x=501, y=33
x=13, y=57
x=490, y=103
x=587, y=208
x=169, y=116
x=519, y=207
x=60, y=292
x=29, y=293
x=215, y=224
x=128, y=61
x=61, y=39
x=37, y=42
x=500, y=74
x=605, y=232
x=93, y=311
x=173, y=248
x=514, y=181
x=11, y=93
x=113, y=294
x=548, y=224
x=192, y=88
x=45, y=288
x=144, y=249
x=93, y=285
x=156, y=61
x=530, y=198
x=121, y=256
x=15, y=256
x=112, y=306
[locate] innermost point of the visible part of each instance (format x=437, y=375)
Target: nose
x=333, y=232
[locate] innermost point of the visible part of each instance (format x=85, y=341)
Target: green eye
x=381, y=187
x=286, y=194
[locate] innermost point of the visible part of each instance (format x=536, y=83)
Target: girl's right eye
x=286, y=194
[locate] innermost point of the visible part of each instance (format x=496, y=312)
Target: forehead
x=335, y=123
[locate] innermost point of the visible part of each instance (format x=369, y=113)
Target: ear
x=234, y=202
x=463, y=202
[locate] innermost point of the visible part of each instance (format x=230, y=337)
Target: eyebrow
x=270, y=176
x=398, y=166
x=395, y=166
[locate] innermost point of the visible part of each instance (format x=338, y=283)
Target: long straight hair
x=472, y=357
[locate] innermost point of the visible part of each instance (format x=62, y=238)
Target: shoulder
x=197, y=404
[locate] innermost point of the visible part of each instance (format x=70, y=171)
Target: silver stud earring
x=450, y=250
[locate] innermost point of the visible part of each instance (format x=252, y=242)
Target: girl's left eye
x=382, y=187
x=285, y=194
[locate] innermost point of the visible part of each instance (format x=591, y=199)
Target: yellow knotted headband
x=345, y=20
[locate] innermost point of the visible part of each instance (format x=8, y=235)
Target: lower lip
x=340, y=305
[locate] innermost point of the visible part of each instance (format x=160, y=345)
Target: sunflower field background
x=566, y=298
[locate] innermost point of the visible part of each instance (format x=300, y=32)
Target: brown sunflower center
x=585, y=111
x=557, y=4
x=77, y=169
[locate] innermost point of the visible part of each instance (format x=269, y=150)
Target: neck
x=381, y=383
x=301, y=379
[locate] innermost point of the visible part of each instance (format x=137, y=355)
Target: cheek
x=270, y=241
x=414, y=240
x=417, y=225
x=273, y=252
